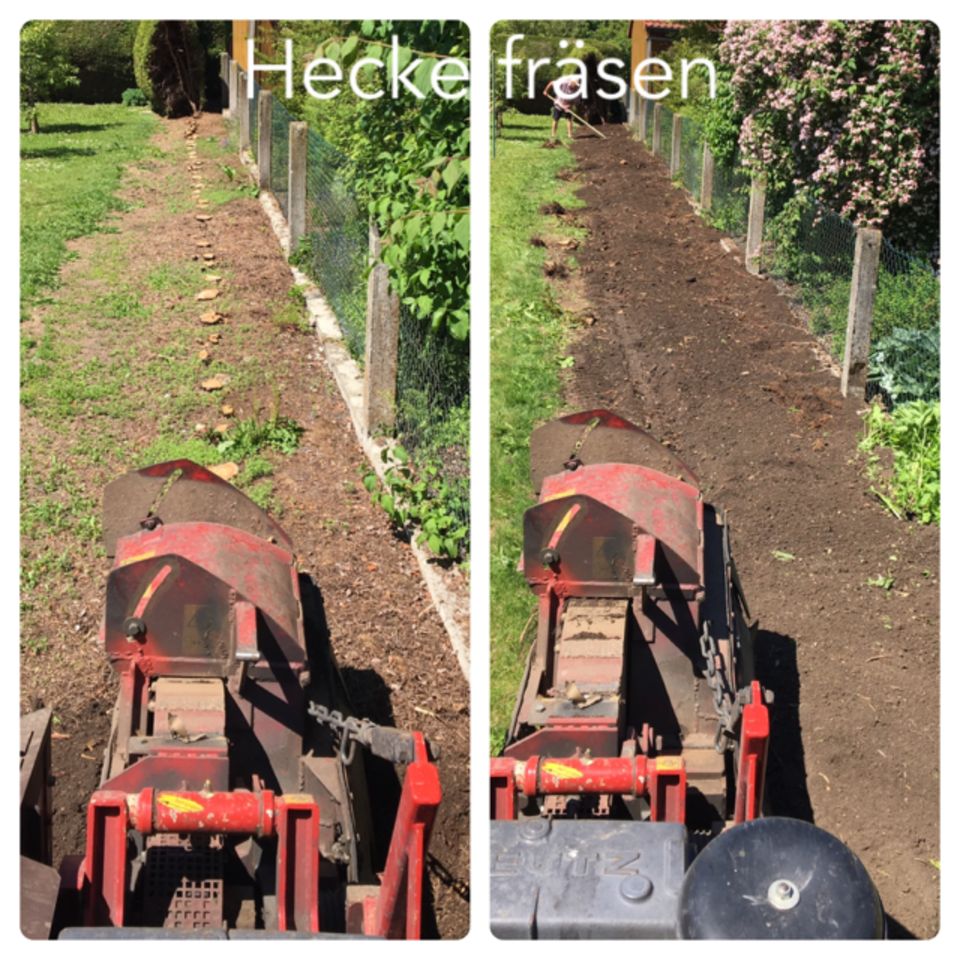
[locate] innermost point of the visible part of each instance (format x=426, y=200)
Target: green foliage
x=905, y=365
x=102, y=52
x=168, y=63
x=409, y=157
x=908, y=299
x=417, y=496
x=68, y=179
x=43, y=68
x=250, y=436
x=813, y=249
x=912, y=432
x=134, y=97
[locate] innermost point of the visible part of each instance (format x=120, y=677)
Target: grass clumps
x=528, y=340
x=910, y=485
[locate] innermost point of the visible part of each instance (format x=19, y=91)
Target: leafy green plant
x=911, y=486
x=905, y=366
x=418, y=497
x=252, y=435
x=408, y=157
x=134, y=97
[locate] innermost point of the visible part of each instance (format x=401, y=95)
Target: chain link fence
x=666, y=134
x=812, y=249
x=336, y=244
x=433, y=405
x=691, y=156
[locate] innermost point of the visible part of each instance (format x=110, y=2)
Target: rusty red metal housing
x=223, y=805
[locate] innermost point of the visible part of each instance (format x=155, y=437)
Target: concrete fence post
x=264, y=141
x=224, y=81
x=243, y=111
x=232, y=83
x=706, y=179
x=675, y=145
x=657, y=110
x=632, y=107
x=381, y=346
x=758, y=196
x=642, y=108
x=297, y=183
x=866, y=266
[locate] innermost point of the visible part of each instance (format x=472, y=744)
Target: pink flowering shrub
x=847, y=111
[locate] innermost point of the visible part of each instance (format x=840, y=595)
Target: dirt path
x=712, y=361
x=124, y=336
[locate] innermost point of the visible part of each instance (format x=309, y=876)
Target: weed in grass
x=250, y=436
x=254, y=468
x=177, y=448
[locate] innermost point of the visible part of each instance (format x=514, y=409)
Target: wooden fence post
x=297, y=184
x=381, y=346
x=264, y=141
x=866, y=266
x=232, y=82
x=706, y=179
x=655, y=146
x=243, y=111
x=758, y=195
x=675, y=145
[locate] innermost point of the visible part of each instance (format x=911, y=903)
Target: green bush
x=168, y=63
x=911, y=487
x=910, y=299
x=134, y=97
x=905, y=366
x=102, y=53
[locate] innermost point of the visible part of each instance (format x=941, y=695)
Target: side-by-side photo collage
x=628, y=630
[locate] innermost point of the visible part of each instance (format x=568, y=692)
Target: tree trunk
x=34, y=123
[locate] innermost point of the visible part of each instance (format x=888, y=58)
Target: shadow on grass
x=56, y=153
x=74, y=127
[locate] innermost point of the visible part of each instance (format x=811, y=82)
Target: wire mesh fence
x=433, y=413
x=666, y=134
x=648, y=125
x=691, y=156
x=336, y=243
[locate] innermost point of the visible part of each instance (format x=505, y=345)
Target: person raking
x=565, y=91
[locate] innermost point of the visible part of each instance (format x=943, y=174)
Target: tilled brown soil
x=713, y=362
x=390, y=644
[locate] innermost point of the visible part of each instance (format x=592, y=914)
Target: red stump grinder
x=233, y=801
x=628, y=800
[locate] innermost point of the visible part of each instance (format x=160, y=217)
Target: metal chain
x=725, y=703
x=349, y=729
x=388, y=743
x=574, y=461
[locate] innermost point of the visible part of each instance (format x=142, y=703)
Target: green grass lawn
x=69, y=174
x=528, y=333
